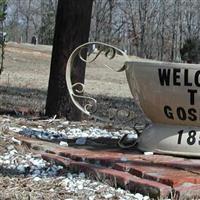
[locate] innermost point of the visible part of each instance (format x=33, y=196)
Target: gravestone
x=34, y=40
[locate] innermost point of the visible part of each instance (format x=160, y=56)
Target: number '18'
x=191, y=139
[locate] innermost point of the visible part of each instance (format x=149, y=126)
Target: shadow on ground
x=17, y=101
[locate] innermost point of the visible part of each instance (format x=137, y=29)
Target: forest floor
x=23, y=90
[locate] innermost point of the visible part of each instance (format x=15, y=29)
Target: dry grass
x=27, y=66
x=25, y=189
x=25, y=78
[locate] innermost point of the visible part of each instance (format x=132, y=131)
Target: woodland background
x=153, y=29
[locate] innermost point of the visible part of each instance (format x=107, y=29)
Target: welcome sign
x=168, y=93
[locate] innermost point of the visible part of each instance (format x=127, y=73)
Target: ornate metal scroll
x=94, y=51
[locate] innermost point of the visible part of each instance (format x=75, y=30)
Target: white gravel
x=34, y=166
x=28, y=164
x=69, y=133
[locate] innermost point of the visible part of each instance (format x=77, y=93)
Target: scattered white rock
x=91, y=197
x=124, y=159
x=7, y=156
x=21, y=168
x=81, y=141
x=36, y=179
x=65, y=182
x=16, y=141
x=69, y=175
x=62, y=143
x=80, y=187
x=82, y=175
x=138, y=196
x=13, y=152
x=15, y=129
x=148, y=153
x=65, y=123
x=108, y=196
x=6, y=120
x=146, y=198
x=10, y=147
x=6, y=162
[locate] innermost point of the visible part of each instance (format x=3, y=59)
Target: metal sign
x=168, y=94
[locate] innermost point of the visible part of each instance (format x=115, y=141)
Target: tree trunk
x=28, y=20
x=173, y=31
x=163, y=18
x=71, y=30
x=142, y=20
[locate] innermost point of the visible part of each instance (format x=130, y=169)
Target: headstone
x=34, y=40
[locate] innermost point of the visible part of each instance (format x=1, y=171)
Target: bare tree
x=47, y=24
x=153, y=29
